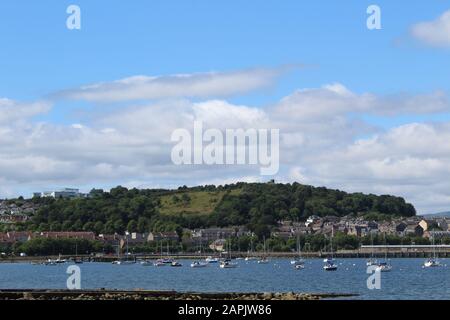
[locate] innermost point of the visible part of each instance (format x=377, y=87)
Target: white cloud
x=321, y=144
x=199, y=85
x=12, y=111
x=434, y=33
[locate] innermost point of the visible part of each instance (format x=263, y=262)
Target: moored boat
x=228, y=264
x=198, y=264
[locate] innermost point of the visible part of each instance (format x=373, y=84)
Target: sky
x=357, y=109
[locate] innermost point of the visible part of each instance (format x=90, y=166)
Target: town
x=350, y=232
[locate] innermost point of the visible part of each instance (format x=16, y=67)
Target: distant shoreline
x=350, y=254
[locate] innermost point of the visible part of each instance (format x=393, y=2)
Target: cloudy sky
x=358, y=109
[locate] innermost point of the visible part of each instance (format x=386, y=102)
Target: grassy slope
x=202, y=202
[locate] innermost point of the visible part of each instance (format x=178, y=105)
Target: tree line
x=258, y=206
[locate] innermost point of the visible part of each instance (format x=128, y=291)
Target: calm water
x=407, y=280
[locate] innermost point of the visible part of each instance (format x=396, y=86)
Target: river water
x=407, y=280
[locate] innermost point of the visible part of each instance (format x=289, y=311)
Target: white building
x=63, y=193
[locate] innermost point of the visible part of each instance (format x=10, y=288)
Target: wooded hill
x=259, y=206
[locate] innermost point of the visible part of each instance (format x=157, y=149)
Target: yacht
x=250, y=255
x=212, y=260
x=330, y=264
x=120, y=261
x=372, y=261
x=198, y=264
x=385, y=266
x=50, y=262
x=160, y=263
x=264, y=259
x=299, y=261
x=176, y=264
x=228, y=264
x=432, y=262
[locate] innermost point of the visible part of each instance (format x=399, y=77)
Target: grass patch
x=196, y=202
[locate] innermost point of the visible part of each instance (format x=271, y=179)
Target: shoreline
x=239, y=255
x=140, y=295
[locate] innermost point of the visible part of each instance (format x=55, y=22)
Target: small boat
x=176, y=264
x=212, y=260
x=167, y=261
x=121, y=261
x=330, y=267
x=372, y=261
x=124, y=262
x=264, y=259
x=228, y=264
x=250, y=255
x=430, y=263
x=160, y=263
x=299, y=266
x=198, y=264
x=384, y=267
x=50, y=262
x=299, y=261
x=330, y=264
x=59, y=260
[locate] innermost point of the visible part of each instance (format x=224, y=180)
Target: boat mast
x=434, y=247
x=331, y=242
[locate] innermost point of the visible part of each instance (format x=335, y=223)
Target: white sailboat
x=372, y=261
x=120, y=261
x=250, y=255
x=212, y=260
x=162, y=262
x=298, y=263
x=227, y=263
x=384, y=266
x=330, y=264
x=199, y=263
x=432, y=262
x=264, y=259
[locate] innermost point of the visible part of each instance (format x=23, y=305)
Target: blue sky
x=327, y=42
x=119, y=39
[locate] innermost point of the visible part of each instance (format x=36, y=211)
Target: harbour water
x=407, y=280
